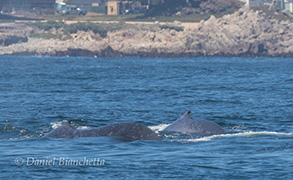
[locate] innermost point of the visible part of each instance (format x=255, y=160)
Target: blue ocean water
x=251, y=98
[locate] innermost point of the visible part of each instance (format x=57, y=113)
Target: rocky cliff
x=244, y=33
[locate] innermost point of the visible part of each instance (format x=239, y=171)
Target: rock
x=177, y=23
x=172, y=32
x=281, y=31
x=152, y=36
x=12, y=39
x=195, y=46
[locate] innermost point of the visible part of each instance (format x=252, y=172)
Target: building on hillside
x=286, y=4
x=113, y=8
x=27, y=5
x=290, y=6
x=282, y=4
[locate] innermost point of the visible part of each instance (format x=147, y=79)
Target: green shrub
x=171, y=7
x=50, y=36
x=72, y=28
x=45, y=36
x=176, y=28
x=206, y=17
x=49, y=25
x=216, y=6
x=165, y=8
x=96, y=28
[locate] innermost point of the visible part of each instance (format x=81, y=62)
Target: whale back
x=64, y=131
x=187, y=124
x=122, y=131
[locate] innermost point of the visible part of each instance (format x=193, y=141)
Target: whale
x=187, y=124
x=123, y=131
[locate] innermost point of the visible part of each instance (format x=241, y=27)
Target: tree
x=165, y=7
x=216, y=6
x=171, y=7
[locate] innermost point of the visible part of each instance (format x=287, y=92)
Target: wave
x=248, y=134
x=192, y=138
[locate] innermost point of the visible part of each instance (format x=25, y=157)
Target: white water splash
x=248, y=134
x=84, y=127
x=55, y=125
x=159, y=127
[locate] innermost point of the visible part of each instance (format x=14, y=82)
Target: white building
x=288, y=5
x=282, y=4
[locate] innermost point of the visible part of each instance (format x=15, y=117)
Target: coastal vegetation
x=50, y=36
x=71, y=28
x=192, y=7
x=172, y=27
x=62, y=31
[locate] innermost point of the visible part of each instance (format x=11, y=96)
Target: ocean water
x=251, y=98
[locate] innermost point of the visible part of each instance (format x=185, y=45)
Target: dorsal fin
x=68, y=123
x=187, y=113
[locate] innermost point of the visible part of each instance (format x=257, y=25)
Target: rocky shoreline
x=245, y=33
